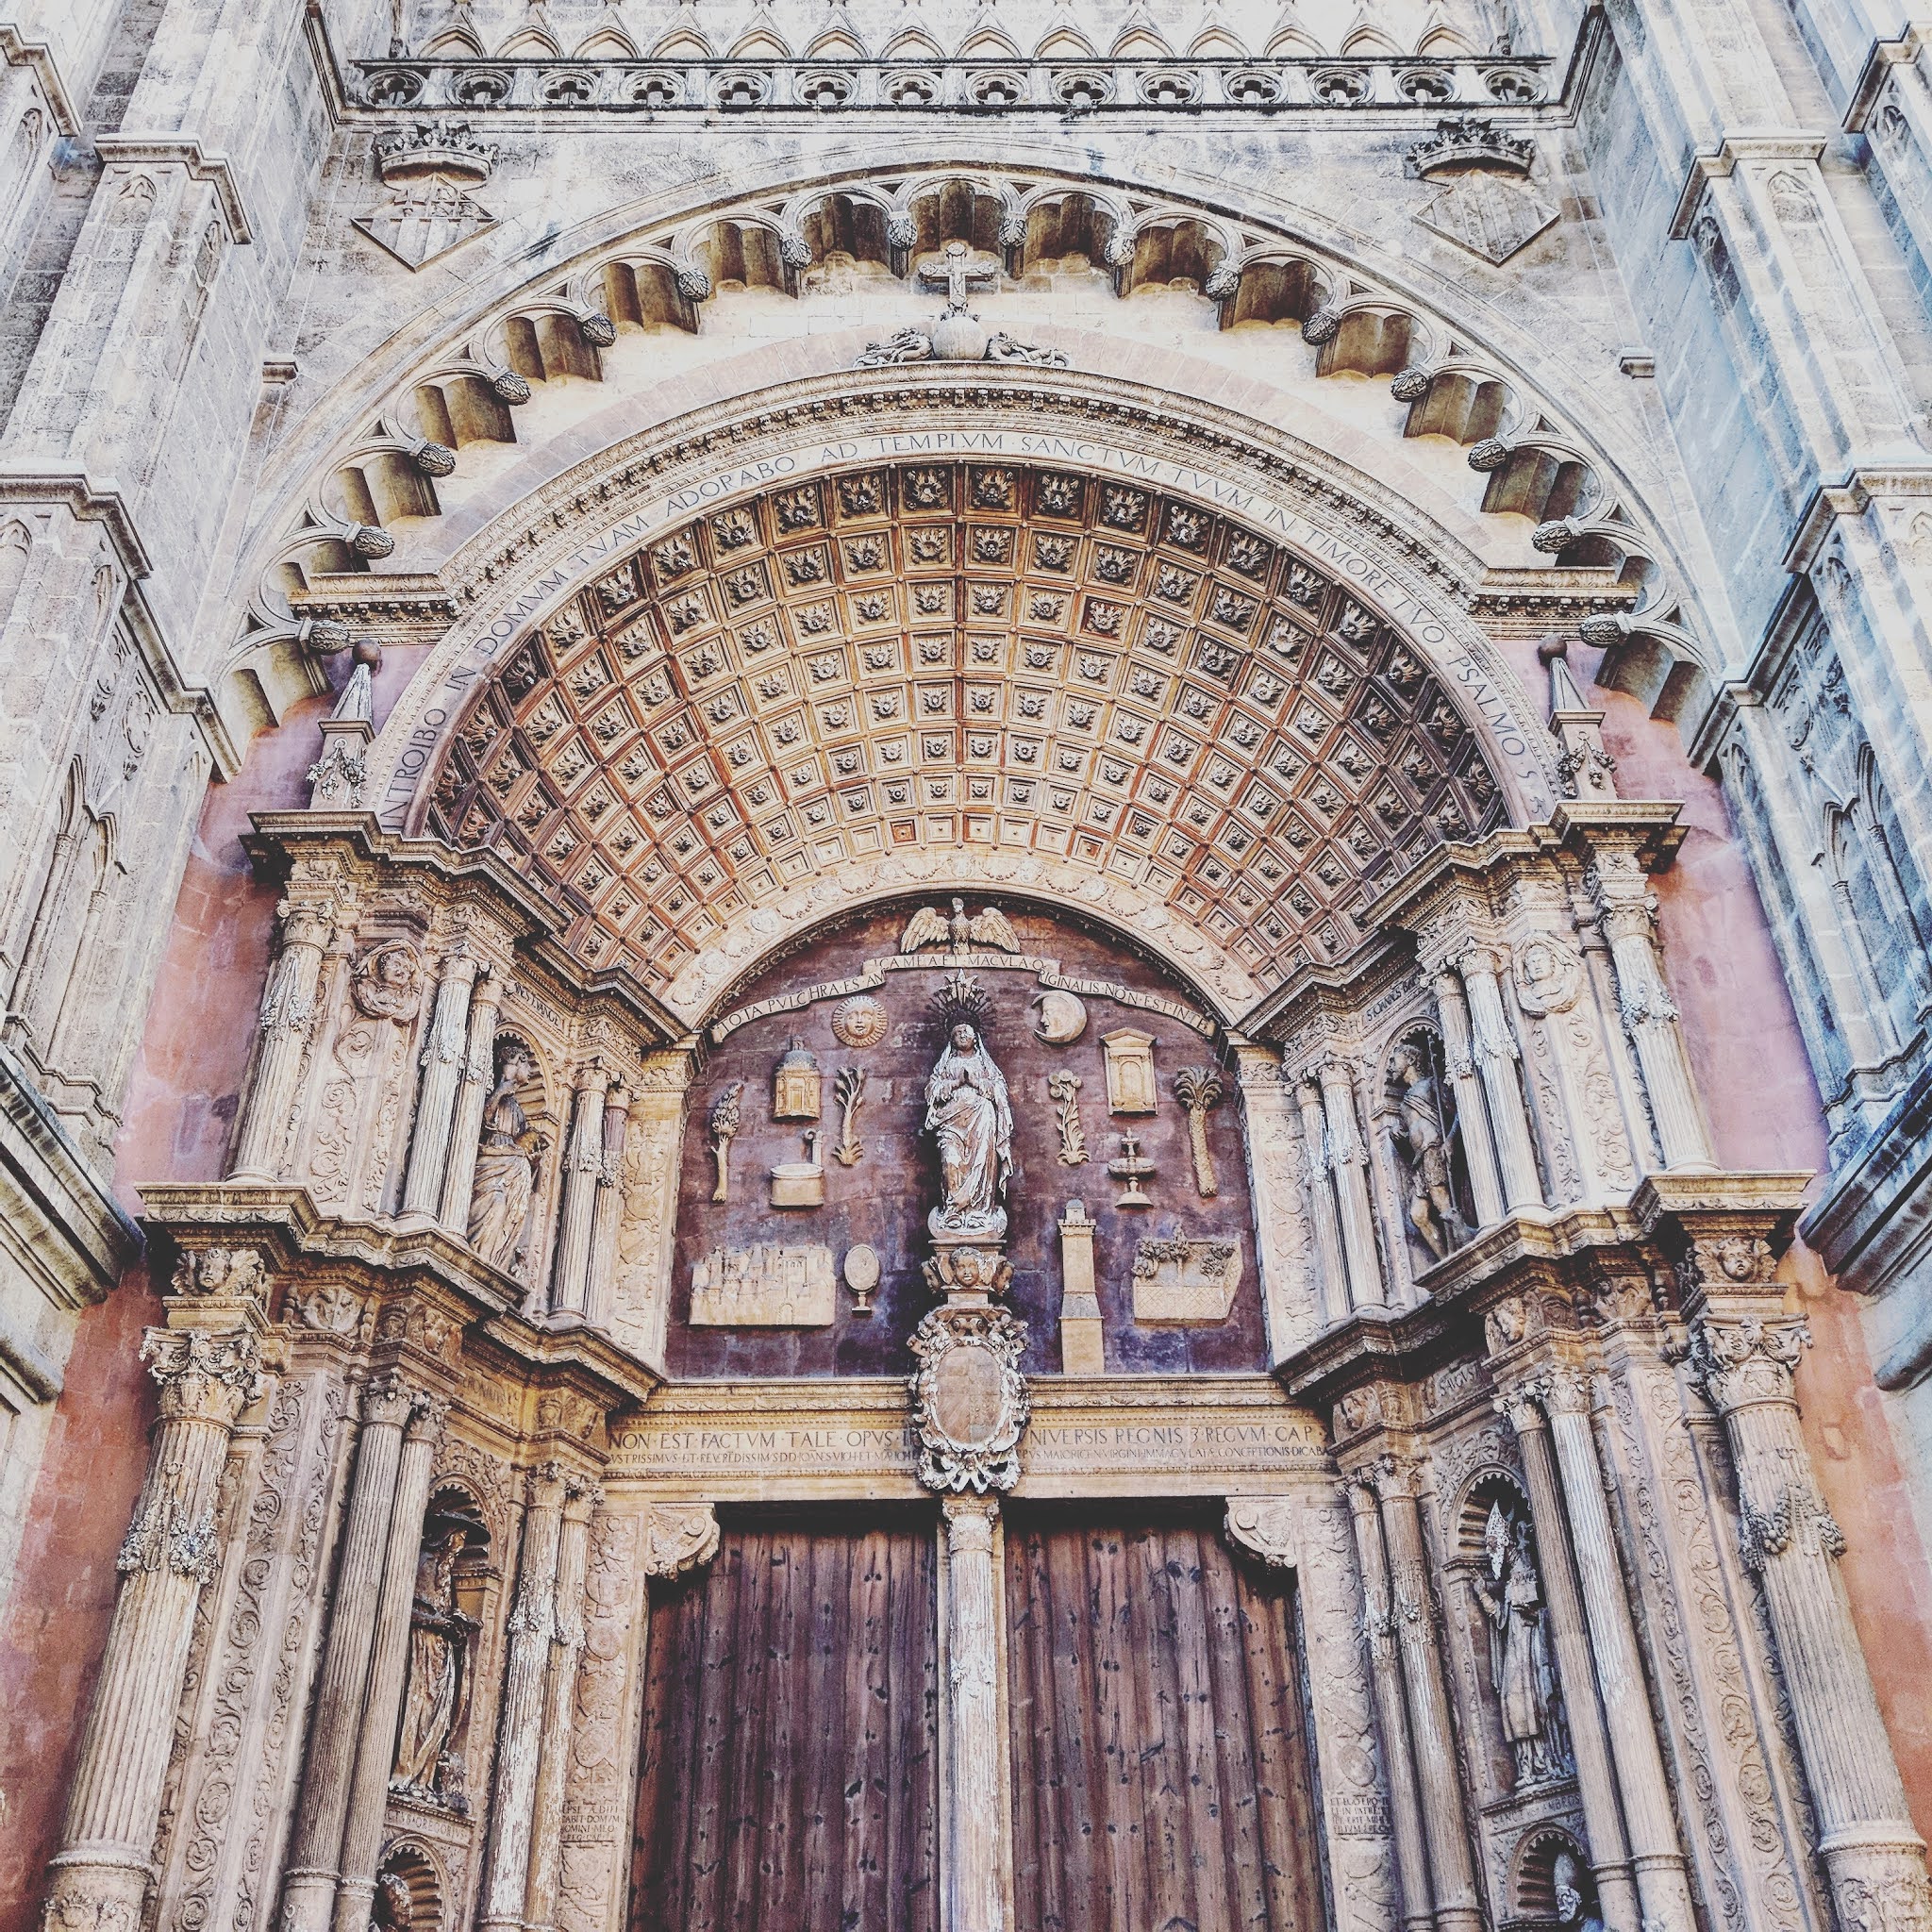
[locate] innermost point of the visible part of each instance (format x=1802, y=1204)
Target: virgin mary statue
x=968, y=1112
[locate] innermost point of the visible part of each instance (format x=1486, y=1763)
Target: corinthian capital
x=387, y=1401
x=1746, y=1361
x=203, y=1377
x=1394, y=1476
x=1521, y=1406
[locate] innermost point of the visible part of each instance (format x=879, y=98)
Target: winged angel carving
x=930, y=926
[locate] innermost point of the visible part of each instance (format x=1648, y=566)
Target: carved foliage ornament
x=226, y=1273
x=677, y=1540
x=969, y=1402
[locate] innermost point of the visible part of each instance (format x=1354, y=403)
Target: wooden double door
x=1161, y=1780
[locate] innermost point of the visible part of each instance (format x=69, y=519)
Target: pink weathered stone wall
x=179, y=1114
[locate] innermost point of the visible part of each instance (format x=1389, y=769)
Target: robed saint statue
x=969, y=1114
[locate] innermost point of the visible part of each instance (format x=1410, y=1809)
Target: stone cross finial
x=958, y=278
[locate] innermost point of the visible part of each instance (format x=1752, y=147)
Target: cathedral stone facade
x=964, y=965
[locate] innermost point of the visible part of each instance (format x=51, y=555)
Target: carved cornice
x=423, y=1293
x=177, y=151
x=19, y=52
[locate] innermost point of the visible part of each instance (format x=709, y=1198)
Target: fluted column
x=1493, y=1046
x=1334, y=1270
x=287, y=1020
x=559, y=1701
x=1444, y=1821
x=1385, y=1674
x=974, y=1892
x=443, y=1068
x=1471, y=1113
x=1648, y=1013
x=1596, y=1783
x=1874, y=1856
x=1348, y=1162
x=583, y=1166
x=609, y=1214
x=1662, y=1886
x=315, y=1856
x=389, y=1660
x=99, y=1873
x=532, y=1630
x=466, y=1123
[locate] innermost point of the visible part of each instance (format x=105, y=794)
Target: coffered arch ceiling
x=932, y=657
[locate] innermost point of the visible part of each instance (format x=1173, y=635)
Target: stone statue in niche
x=723, y=1121
x=1511, y=1594
x=969, y=1116
x=392, y=1909
x=507, y=1163
x=796, y=1088
x=428, y=1765
x=1573, y=1905
x=1421, y=1138
x=387, y=983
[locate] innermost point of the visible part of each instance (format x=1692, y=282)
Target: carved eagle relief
x=930, y=926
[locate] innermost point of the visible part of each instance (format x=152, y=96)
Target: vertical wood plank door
x=788, y=1773
x=1161, y=1775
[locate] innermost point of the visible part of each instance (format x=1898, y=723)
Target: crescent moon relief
x=1062, y=1017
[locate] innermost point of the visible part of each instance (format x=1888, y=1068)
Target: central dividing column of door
x=971, y=1841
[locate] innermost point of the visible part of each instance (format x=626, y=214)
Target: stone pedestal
x=1082, y=1348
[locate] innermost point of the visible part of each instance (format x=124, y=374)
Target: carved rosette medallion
x=969, y=1402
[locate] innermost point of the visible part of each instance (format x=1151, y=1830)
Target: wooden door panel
x=788, y=1773
x=1161, y=1771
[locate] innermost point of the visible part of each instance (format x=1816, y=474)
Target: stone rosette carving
x=969, y=1402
